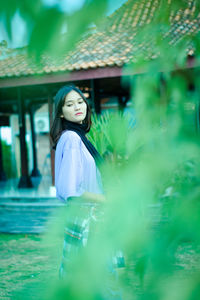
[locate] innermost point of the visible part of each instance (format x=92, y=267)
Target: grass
x=27, y=265
x=30, y=263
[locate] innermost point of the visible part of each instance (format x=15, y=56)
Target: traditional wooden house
x=95, y=65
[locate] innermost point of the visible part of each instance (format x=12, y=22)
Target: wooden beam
x=78, y=75
x=25, y=181
x=61, y=77
x=52, y=151
x=2, y=172
x=92, y=92
x=96, y=98
x=35, y=172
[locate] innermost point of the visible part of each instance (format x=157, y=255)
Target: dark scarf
x=80, y=129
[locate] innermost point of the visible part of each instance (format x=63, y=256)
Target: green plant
x=9, y=168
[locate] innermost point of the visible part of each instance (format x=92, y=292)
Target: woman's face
x=74, y=108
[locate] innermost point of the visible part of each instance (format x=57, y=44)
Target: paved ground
x=26, y=216
x=27, y=210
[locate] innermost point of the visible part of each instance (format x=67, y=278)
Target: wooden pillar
x=92, y=92
x=52, y=151
x=2, y=173
x=25, y=181
x=35, y=172
x=122, y=101
x=95, y=97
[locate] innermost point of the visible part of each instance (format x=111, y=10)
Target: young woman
x=77, y=177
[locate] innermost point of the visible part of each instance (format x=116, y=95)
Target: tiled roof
x=112, y=44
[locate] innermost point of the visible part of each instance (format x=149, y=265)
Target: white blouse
x=75, y=168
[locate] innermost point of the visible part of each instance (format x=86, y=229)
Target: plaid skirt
x=79, y=223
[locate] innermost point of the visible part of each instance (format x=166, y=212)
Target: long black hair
x=57, y=126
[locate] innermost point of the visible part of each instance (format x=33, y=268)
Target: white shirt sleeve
x=69, y=182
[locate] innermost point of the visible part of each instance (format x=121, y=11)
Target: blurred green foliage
x=151, y=174
x=45, y=24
